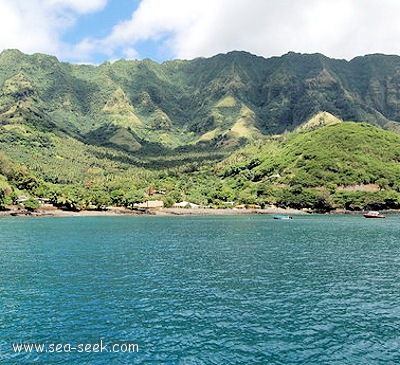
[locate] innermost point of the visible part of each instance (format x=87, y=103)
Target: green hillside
x=218, y=102
x=341, y=165
x=344, y=165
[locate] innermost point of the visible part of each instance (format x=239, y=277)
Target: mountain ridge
x=181, y=102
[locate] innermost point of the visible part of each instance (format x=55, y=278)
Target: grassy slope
x=322, y=163
x=342, y=154
x=300, y=169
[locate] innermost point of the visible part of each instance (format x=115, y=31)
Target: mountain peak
x=320, y=120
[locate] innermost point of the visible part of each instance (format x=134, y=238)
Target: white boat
x=374, y=214
x=282, y=217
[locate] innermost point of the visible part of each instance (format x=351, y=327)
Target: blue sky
x=94, y=31
x=100, y=23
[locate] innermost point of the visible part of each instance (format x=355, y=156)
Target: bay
x=317, y=289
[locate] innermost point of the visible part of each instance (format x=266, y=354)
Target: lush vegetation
x=223, y=101
x=347, y=165
x=208, y=131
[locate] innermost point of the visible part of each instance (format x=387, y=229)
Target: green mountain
x=233, y=127
x=222, y=101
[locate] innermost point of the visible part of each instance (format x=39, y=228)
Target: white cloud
x=155, y=19
x=340, y=28
x=15, y=31
x=78, y=6
x=38, y=25
x=192, y=28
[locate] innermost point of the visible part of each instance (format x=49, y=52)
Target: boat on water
x=374, y=214
x=282, y=217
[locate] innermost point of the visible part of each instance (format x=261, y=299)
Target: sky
x=94, y=31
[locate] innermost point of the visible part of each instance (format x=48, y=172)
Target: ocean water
x=200, y=290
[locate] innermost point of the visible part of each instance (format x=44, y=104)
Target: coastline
x=117, y=211
x=226, y=211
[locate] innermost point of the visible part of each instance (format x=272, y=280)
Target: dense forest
x=345, y=165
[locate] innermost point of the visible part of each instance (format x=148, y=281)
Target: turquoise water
x=202, y=290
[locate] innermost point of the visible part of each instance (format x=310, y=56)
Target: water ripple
x=203, y=290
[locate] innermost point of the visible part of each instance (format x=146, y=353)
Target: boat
x=374, y=214
x=282, y=217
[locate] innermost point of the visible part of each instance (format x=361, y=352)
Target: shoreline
x=116, y=211
x=119, y=211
